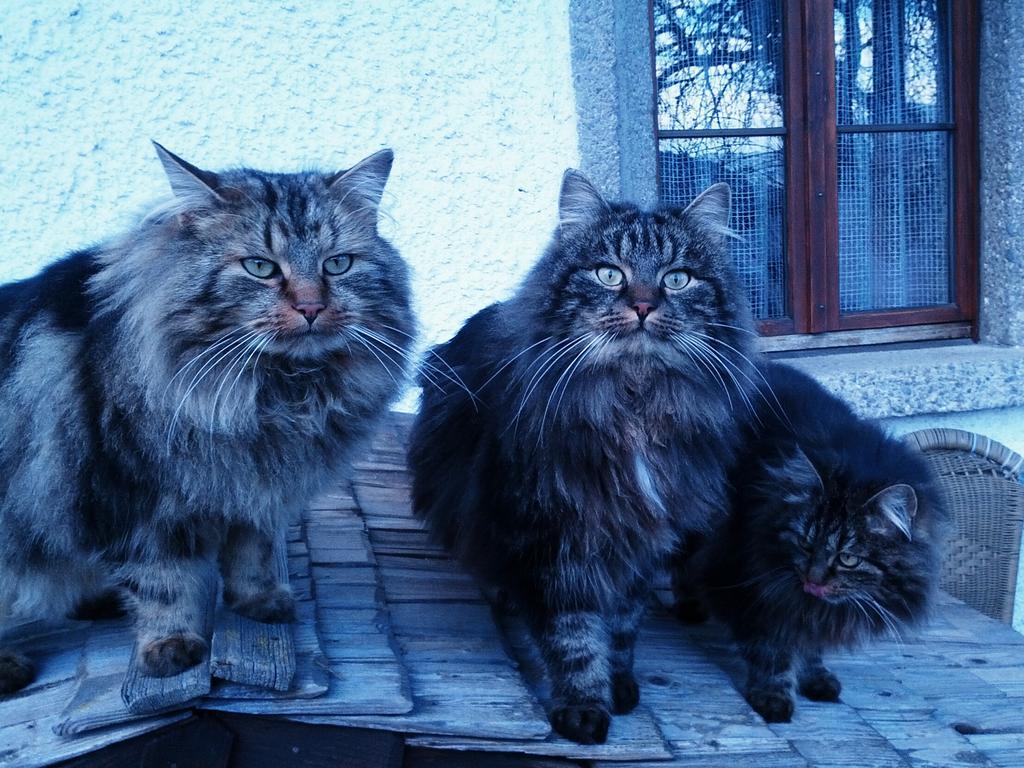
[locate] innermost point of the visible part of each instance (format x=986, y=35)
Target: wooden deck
x=398, y=657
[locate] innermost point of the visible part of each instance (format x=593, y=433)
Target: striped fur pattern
x=161, y=406
x=601, y=422
x=834, y=538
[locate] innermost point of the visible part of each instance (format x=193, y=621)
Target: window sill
x=906, y=380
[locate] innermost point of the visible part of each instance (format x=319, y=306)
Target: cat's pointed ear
x=360, y=188
x=579, y=202
x=897, y=506
x=794, y=476
x=710, y=211
x=189, y=183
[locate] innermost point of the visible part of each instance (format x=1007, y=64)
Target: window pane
x=755, y=169
x=719, y=64
x=891, y=61
x=894, y=220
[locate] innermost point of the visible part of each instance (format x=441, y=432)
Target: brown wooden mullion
x=821, y=189
x=795, y=147
x=966, y=166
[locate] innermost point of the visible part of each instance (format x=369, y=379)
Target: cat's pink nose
x=309, y=310
x=643, y=309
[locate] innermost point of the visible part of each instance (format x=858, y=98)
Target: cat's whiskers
x=727, y=367
x=508, y=361
x=385, y=347
x=883, y=613
x=753, y=579
x=218, y=342
x=453, y=377
x=701, y=359
x=201, y=374
x=733, y=328
x=359, y=337
x=781, y=412
x=543, y=357
x=730, y=367
x=551, y=360
x=567, y=375
x=254, y=347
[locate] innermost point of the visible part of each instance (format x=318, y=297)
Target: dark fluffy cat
x=599, y=432
x=180, y=391
x=834, y=537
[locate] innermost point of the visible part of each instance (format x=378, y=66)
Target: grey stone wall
x=611, y=71
x=1001, y=114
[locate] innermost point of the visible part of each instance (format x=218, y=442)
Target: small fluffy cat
x=598, y=431
x=834, y=537
x=178, y=392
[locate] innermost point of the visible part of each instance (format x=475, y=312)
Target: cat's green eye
x=848, y=561
x=610, y=276
x=676, y=280
x=260, y=267
x=338, y=265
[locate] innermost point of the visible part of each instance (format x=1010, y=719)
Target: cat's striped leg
x=169, y=600
x=573, y=640
x=250, y=588
x=623, y=627
x=817, y=682
x=769, y=679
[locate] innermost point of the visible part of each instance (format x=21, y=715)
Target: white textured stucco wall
x=475, y=98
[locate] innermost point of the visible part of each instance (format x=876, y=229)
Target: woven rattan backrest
x=981, y=483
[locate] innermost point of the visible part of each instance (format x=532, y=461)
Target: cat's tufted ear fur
x=579, y=202
x=894, y=506
x=192, y=186
x=709, y=211
x=361, y=187
x=794, y=476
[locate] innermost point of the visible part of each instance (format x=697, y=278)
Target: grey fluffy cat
x=176, y=393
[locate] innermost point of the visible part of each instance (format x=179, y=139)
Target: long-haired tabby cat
x=179, y=391
x=834, y=537
x=599, y=431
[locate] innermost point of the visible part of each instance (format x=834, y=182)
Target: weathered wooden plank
x=353, y=655
x=97, y=700
x=252, y=652
x=312, y=670
x=1003, y=749
x=143, y=694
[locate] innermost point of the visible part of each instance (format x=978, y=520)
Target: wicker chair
x=981, y=481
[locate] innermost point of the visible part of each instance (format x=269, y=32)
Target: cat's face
x=286, y=264
x=844, y=544
x=638, y=283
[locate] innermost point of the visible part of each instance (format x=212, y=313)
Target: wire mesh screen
x=754, y=168
x=891, y=61
x=719, y=70
x=895, y=248
x=719, y=64
x=894, y=217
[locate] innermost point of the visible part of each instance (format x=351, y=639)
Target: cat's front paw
x=583, y=723
x=625, y=693
x=822, y=686
x=16, y=671
x=172, y=654
x=773, y=705
x=274, y=606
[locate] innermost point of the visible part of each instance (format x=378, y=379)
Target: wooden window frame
x=812, y=189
